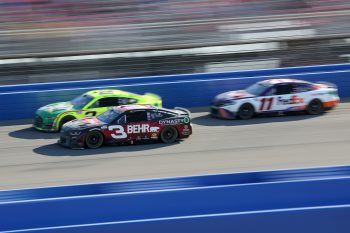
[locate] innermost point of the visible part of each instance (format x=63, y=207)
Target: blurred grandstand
x=56, y=40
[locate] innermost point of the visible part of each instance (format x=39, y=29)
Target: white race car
x=276, y=95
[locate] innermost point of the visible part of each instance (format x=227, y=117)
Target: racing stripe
x=329, y=104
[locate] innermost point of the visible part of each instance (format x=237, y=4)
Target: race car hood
x=232, y=95
x=84, y=123
x=54, y=109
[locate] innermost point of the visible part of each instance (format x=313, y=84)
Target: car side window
x=159, y=115
x=301, y=87
x=120, y=120
x=270, y=92
x=106, y=102
x=136, y=116
x=284, y=89
x=123, y=101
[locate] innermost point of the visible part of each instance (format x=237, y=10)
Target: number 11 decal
x=266, y=104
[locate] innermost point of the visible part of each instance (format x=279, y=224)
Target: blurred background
x=59, y=40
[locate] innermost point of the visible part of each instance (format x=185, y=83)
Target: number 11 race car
x=276, y=96
x=127, y=124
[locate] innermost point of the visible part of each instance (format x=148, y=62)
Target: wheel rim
x=94, y=140
x=246, y=112
x=315, y=108
x=168, y=134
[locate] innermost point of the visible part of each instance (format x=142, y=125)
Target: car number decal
x=266, y=104
x=119, y=132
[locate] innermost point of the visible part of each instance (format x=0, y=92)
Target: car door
x=137, y=125
x=115, y=132
x=287, y=99
x=98, y=106
x=278, y=98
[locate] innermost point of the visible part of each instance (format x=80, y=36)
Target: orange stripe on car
x=330, y=103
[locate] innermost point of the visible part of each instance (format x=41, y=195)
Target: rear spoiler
x=330, y=85
x=183, y=110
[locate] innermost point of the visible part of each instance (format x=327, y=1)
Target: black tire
x=315, y=107
x=65, y=120
x=94, y=139
x=169, y=134
x=246, y=111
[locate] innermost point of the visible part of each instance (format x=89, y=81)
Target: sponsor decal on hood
x=84, y=123
x=57, y=107
x=233, y=95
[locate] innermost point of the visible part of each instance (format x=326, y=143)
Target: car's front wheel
x=315, y=107
x=168, y=135
x=94, y=139
x=246, y=111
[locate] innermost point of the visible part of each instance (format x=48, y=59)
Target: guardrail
x=302, y=200
x=187, y=90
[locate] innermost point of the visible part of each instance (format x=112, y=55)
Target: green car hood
x=52, y=110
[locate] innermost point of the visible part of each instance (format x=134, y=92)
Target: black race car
x=127, y=124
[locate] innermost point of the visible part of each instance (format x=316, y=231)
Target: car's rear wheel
x=94, y=139
x=246, y=111
x=169, y=134
x=315, y=107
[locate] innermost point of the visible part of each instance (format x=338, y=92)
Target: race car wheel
x=315, y=107
x=65, y=120
x=94, y=139
x=246, y=111
x=168, y=135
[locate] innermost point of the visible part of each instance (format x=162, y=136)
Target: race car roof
x=124, y=108
x=284, y=80
x=107, y=92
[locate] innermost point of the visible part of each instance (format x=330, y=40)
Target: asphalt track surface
x=33, y=159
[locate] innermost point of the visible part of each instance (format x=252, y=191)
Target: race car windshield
x=258, y=88
x=109, y=116
x=80, y=101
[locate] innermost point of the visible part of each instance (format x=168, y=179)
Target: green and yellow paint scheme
x=51, y=117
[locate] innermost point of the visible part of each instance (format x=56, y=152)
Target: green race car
x=51, y=117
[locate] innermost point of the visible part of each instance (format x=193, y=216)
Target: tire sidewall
x=89, y=135
x=241, y=109
x=320, y=109
x=174, y=135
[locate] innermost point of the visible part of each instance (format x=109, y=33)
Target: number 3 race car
x=276, y=95
x=127, y=124
x=52, y=117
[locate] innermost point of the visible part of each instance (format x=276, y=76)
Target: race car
x=276, y=96
x=93, y=103
x=127, y=124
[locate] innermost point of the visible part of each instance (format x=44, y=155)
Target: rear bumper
x=332, y=103
x=221, y=113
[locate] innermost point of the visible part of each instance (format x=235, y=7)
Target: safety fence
x=187, y=90
x=302, y=200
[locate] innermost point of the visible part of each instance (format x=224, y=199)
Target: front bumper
x=220, y=112
x=72, y=142
x=41, y=125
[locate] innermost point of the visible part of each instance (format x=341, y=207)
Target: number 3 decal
x=266, y=104
x=119, y=131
